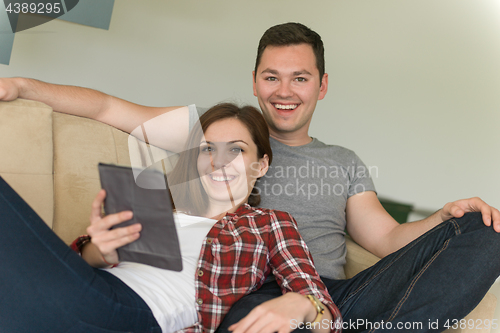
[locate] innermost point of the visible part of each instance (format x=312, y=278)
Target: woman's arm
x=93, y=257
x=295, y=272
x=293, y=265
x=284, y=314
x=101, y=250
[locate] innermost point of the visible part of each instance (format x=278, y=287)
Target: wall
x=413, y=84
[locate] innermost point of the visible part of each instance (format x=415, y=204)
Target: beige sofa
x=51, y=160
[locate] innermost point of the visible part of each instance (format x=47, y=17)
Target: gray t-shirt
x=312, y=183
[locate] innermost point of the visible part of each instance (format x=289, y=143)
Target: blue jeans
x=439, y=277
x=47, y=287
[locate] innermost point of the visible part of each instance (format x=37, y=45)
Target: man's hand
x=9, y=90
x=460, y=207
x=278, y=315
x=106, y=240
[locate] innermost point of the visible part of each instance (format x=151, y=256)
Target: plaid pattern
x=240, y=252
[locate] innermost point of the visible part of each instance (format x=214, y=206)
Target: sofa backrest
x=26, y=150
x=51, y=158
x=80, y=144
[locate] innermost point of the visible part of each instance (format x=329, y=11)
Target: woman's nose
x=221, y=160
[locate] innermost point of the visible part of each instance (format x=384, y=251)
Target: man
x=441, y=275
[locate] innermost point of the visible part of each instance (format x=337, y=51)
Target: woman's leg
x=47, y=287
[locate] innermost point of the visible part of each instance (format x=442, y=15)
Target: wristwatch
x=320, y=308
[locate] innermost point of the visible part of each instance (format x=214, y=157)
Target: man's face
x=287, y=86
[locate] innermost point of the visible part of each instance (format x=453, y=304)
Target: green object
x=399, y=211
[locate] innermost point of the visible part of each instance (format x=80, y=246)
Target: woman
x=228, y=249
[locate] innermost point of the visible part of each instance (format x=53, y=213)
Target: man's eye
x=271, y=78
x=301, y=79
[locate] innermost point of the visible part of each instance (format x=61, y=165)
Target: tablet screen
x=145, y=193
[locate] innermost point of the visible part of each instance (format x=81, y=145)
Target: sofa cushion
x=26, y=150
x=80, y=144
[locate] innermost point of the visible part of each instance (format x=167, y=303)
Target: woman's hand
x=282, y=314
x=103, y=238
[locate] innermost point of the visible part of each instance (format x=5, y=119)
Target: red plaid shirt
x=241, y=251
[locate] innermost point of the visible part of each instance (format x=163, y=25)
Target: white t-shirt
x=170, y=295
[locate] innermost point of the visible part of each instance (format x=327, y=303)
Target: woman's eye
x=236, y=150
x=206, y=149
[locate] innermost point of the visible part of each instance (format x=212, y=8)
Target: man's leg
x=47, y=287
x=440, y=276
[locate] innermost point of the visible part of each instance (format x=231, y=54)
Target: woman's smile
x=226, y=163
x=217, y=178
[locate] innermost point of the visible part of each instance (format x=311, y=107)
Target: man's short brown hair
x=293, y=34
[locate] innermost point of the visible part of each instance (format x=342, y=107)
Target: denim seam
x=369, y=281
x=352, y=294
x=422, y=271
x=415, y=280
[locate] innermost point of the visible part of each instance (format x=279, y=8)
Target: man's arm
x=373, y=228
x=171, y=134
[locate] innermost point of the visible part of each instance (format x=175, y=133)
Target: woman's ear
x=263, y=165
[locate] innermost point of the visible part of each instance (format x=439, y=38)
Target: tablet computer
x=145, y=193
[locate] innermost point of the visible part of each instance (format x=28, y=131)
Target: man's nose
x=284, y=90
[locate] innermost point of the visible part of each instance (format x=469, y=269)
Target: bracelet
x=320, y=308
x=107, y=263
x=79, y=243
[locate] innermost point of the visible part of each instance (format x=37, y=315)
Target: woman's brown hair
x=186, y=189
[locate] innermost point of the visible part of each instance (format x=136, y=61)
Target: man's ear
x=263, y=165
x=324, y=87
x=254, y=87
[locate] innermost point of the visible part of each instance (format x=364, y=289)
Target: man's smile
x=285, y=106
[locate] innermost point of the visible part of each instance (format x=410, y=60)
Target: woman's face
x=228, y=163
